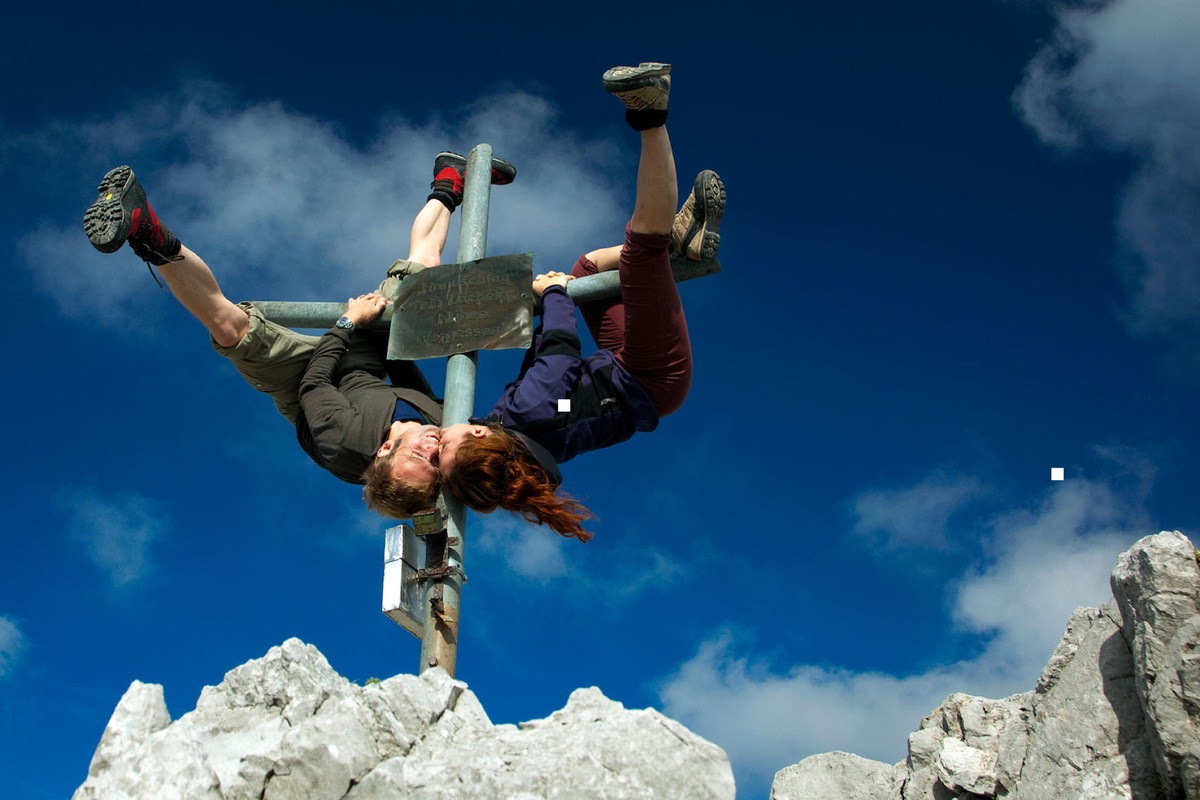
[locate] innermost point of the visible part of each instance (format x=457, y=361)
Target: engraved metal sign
x=458, y=308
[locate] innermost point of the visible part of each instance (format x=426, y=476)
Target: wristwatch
x=344, y=323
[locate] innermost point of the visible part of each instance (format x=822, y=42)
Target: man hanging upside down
x=333, y=388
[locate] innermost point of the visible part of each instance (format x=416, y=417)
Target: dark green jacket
x=346, y=403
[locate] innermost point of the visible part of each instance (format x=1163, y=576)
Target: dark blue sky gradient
x=922, y=310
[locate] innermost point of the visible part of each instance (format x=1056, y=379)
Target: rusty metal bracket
x=435, y=601
x=438, y=607
x=437, y=573
x=428, y=522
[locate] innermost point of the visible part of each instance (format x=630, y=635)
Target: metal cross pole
x=426, y=600
x=439, y=640
x=322, y=315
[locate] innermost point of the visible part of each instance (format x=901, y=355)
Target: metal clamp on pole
x=437, y=573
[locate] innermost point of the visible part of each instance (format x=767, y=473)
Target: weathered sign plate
x=403, y=595
x=457, y=308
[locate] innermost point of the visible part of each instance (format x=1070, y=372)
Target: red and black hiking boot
x=122, y=214
x=449, y=173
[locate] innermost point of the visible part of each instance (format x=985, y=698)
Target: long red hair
x=497, y=471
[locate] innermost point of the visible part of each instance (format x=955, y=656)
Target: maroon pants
x=645, y=327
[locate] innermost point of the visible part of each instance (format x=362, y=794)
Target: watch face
x=344, y=322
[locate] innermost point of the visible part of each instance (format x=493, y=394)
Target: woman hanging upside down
x=562, y=404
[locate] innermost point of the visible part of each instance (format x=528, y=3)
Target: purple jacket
x=608, y=405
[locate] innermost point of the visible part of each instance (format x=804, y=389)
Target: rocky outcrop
x=287, y=727
x=842, y=775
x=1115, y=714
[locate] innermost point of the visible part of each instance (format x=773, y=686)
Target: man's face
x=416, y=449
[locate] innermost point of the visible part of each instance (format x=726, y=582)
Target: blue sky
x=961, y=249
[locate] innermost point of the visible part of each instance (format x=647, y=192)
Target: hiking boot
x=450, y=172
x=122, y=214
x=503, y=173
x=645, y=87
x=694, y=234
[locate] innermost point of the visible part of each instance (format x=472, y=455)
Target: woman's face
x=453, y=437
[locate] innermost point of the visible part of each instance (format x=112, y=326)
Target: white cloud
x=12, y=644
x=1047, y=562
x=116, y=532
x=767, y=720
x=527, y=550
x=647, y=568
x=283, y=206
x=916, y=516
x=534, y=554
x=1042, y=563
x=1122, y=75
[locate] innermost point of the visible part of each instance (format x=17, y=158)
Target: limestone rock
x=592, y=748
x=1157, y=584
x=1115, y=714
x=839, y=775
x=968, y=744
x=131, y=754
x=141, y=713
x=287, y=727
x=1087, y=737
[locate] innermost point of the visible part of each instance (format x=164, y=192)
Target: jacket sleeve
x=326, y=409
x=551, y=368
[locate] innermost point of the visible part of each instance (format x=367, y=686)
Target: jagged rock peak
x=288, y=727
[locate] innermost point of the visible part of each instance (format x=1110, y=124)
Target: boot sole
x=708, y=207
x=645, y=75
x=107, y=221
x=500, y=168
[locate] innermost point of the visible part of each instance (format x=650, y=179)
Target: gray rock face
x=841, y=775
x=1115, y=714
x=1158, y=589
x=287, y=727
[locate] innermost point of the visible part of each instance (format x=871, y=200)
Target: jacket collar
x=542, y=456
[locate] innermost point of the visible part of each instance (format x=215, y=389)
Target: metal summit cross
x=454, y=310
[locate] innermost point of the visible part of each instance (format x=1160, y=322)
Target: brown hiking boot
x=694, y=234
x=645, y=87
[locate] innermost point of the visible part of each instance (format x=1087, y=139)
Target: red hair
x=497, y=471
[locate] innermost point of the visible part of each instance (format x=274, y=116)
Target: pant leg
x=398, y=271
x=657, y=350
x=604, y=318
x=272, y=359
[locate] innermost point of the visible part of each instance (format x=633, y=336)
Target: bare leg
x=195, y=287
x=651, y=295
x=657, y=350
x=657, y=188
x=606, y=258
x=649, y=319
x=657, y=195
x=429, y=231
